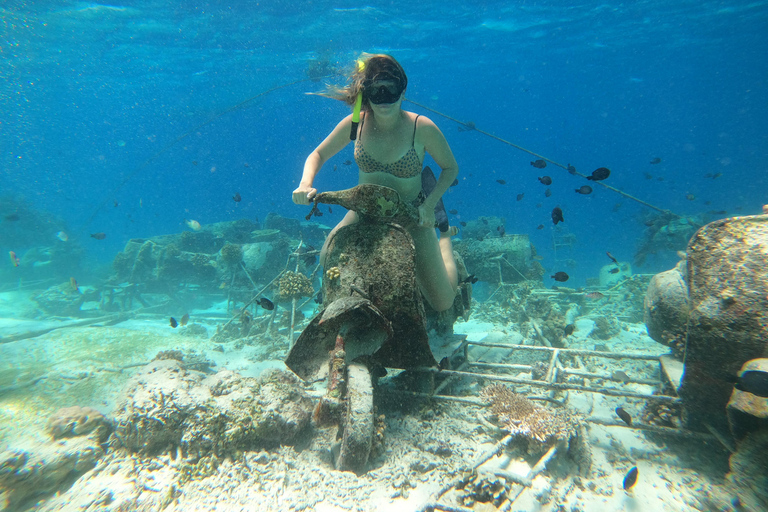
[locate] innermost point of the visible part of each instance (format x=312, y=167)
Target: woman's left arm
x=438, y=148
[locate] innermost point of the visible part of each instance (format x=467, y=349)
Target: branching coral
x=520, y=416
x=294, y=285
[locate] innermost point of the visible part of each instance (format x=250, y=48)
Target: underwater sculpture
x=709, y=308
x=373, y=316
x=712, y=309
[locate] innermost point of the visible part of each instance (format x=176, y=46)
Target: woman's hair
x=377, y=67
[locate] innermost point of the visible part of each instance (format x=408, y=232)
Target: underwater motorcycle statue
x=373, y=318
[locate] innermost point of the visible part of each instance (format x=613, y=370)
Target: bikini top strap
x=413, y=139
x=360, y=130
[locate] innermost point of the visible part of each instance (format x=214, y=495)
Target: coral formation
x=495, y=260
x=332, y=273
x=42, y=468
x=60, y=300
x=522, y=417
x=605, y=328
x=483, y=489
x=166, y=406
x=78, y=421
x=231, y=254
x=294, y=285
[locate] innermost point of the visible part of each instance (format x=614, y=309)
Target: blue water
x=91, y=92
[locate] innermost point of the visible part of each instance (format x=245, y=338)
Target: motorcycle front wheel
x=357, y=436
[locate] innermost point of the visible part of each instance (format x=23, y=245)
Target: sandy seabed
x=428, y=445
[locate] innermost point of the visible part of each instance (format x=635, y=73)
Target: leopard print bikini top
x=408, y=166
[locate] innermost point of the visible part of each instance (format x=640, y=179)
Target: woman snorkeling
x=389, y=150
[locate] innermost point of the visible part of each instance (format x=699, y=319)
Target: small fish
x=520, y=196
x=236, y=198
x=569, y=329
x=716, y=175
x=73, y=284
x=245, y=317
x=690, y=197
x=624, y=415
x=347, y=162
x=193, y=225
x=335, y=167
x=539, y=164
x=174, y=323
x=470, y=279
x=594, y=295
x=584, y=189
x=545, y=180
x=453, y=211
x=12, y=217
x=462, y=224
x=184, y=319
x=330, y=210
x=620, y=376
x=62, y=236
x=630, y=479
x=467, y=127
x=455, y=182
x=557, y=215
x=614, y=270
x=115, y=204
x=599, y=174
x=99, y=236
x=266, y=304
x=753, y=381
x=501, y=182
x=560, y=277
x=571, y=169
x=540, y=226
x=444, y=364
x=223, y=285
x=547, y=193
x=501, y=230
x=655, y=161
x=648, y=176
x=612, y=258
x=537, y=257
x=194, y=162
x=718, y=212
x=14, y=259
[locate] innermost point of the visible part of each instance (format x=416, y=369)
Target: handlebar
x=369, y=200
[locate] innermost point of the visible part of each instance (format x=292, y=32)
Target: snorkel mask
x=383, y=90
x=385, y=87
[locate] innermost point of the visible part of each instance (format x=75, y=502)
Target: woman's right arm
x=332, y=144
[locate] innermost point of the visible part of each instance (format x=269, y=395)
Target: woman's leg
x=349, y=218
x=436, y=271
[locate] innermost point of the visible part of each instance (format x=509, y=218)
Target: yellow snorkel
x=358, y=105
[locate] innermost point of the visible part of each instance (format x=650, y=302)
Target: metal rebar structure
x=554, y=380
